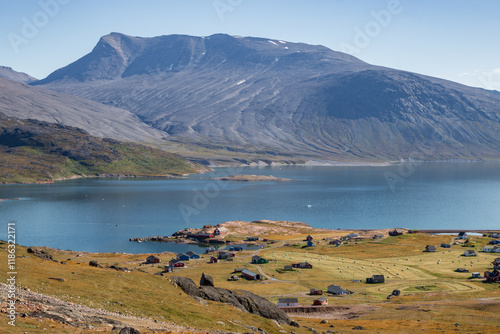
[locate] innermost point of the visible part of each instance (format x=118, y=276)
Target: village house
x=252, y=239
x=493, y=276
x=302, y=265
x=430, y=248
x=309, y=238
x=462, y=235
x=225, y=255
x=182, y=257
x=414, y=231
x=321, y=301
x=315, y=292
x=176, y=263
x=336, y=242
x=310, y=243
x=494, y=242
x=352, y=235
x=445, y=245
x=396, y=232
x=210, y=249
x=258, y=260
x=152, y=259
x=250, y=275
x=491, y=249
x=496, y=264
x=461, y=270
x=470, y=252
x=476, y=275
x=337, y=290
x=378, y=236
x=495, y=235
x=288, y=302
x=376, y=279
x=192, y=255
x=213, y=259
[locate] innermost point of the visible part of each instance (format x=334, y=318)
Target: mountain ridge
x=257, y=94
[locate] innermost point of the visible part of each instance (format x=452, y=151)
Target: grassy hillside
x=35, y=151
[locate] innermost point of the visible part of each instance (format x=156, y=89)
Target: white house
x=491, y=249
x=462, y=235
x=284, y=302
x=470, y=252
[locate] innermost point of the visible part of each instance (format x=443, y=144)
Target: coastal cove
x=100, y=215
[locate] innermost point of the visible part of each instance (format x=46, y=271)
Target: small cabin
x=192, y=255
x=476, y=275
x=182, y=257
x=213, y=259
x=396, y=232
x=250, y=275
x=376, y=279
x=337, y=290
x=430, y=248
x=445, y=245
x=302, y=265
x=152, y=259
x=258, y=260
x=309, y=238
x=288, y=302
x=470, y=252
x=315, y=292
x=252, y=239
x=462, y=235
x=310, y=243
x=176, y=263
x=321, y=301
x=493, y=276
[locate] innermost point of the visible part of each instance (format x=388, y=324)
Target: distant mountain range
x=255, y=95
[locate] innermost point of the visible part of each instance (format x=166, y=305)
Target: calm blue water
x=101, y=215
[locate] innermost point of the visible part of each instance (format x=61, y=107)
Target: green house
x=258, y=260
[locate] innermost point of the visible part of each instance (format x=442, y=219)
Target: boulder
x=94, y=263
x=206, y=280
x=129, y=330
x=187, y=285
x=41, y=253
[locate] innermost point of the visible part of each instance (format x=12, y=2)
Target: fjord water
x=100, y=215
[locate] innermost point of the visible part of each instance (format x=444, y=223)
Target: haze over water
x=100, y=215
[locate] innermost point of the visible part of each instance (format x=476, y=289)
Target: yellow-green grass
x=131, y=293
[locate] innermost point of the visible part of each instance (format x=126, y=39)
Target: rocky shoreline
x=252, y=178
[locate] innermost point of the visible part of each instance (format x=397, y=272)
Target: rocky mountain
x=9, y=73
x=26, y=102
x=36, y=151
x=251, y=95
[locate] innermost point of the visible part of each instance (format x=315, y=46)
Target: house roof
x=322, y=299
x=181, y=254
x=336, y=289
x=175, y=261
x=152, y=257
x=191, y=253
x=248, y=272
x=288, y=300
x=378, y=276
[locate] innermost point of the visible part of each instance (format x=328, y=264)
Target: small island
x=252, y=178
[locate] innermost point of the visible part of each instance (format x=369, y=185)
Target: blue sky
x=456, y=40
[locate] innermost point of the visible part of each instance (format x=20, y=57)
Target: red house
x=321, y=301
x=493, y=276
x=176, y=263
x=152, y=259
x=213, y=259
x=316, y=292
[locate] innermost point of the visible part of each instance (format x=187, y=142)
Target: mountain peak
x=8, y=73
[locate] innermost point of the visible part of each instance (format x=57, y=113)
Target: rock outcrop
x=243, y=300
x=41, y=253
x=206, y=280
